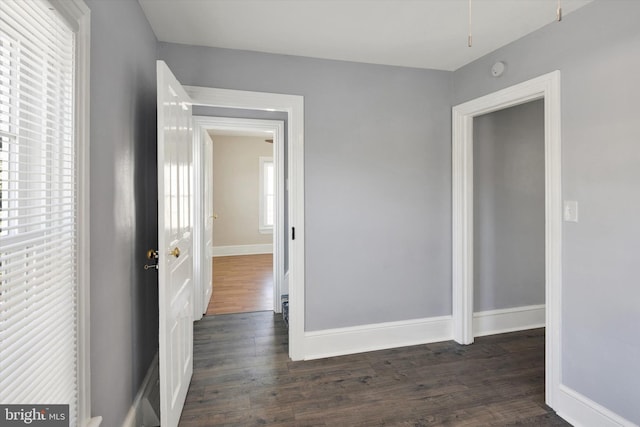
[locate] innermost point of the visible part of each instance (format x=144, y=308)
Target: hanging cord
x=470, y=38
x=558, y=12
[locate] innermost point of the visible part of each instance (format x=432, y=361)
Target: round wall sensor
x=497, y=69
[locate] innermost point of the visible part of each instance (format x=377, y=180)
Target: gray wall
x=597, y=49
x=124, y=297
x=378, y=219
x=377, y=178
x=508, y=207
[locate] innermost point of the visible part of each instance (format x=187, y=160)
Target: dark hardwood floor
x=243, y=377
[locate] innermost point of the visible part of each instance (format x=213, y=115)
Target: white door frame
x=293, y=105
x=548, y=88
x=202, y=257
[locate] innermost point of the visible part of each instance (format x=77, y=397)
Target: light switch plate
x=571, y=211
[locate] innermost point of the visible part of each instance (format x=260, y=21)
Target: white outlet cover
x=570, y=211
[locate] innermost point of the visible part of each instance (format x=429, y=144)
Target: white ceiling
x=413, y=33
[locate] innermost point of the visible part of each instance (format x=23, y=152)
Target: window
x=266, y=195
x=43, y=245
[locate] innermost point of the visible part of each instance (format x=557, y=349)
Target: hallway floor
x=243, y=377
x=242, y=284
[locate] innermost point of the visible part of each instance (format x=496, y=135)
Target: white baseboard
x=266, y=248
x=580, y=411
x=94, y=422
x=508, y=320
x=360, y=339
x=134, y=416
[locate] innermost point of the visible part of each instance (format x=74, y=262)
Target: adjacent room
x=243, y=220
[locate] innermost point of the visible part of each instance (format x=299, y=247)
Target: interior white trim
x=78, y=15
x=276, y=127
x=581, y=411
x=93, y=422
x=134, y=416
x=360, y=339
x=199, y=251
x=266, y=248
x=504, y=320
x=293, y=105
x=547, y=87
x=380, y=336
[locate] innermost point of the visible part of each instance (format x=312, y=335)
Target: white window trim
x=78, y=15
x=262, y=228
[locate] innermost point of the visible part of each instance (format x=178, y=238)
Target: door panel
x=175, y=254
x=208, y=218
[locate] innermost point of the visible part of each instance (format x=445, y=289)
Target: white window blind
x=38, y=309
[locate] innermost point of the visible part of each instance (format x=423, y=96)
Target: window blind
x=38, y=309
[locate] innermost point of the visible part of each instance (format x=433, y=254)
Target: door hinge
x=293, y=233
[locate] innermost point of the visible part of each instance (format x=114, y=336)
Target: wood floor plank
x=242, y=284
x=243, y=377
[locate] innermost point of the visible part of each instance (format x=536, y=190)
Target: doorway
x=244, y=212
x=293, y=106
x=547, y=88
x=234, y=234
x=508, y=214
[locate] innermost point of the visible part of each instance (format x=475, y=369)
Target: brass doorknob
x=152, y=254
x=175, y=252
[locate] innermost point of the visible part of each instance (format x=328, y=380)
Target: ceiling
x=413, y=33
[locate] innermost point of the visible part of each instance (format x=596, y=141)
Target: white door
x=175, y=259
x=208, y=222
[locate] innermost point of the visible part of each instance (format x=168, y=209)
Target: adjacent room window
x=39, y=205
x=266, y=194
